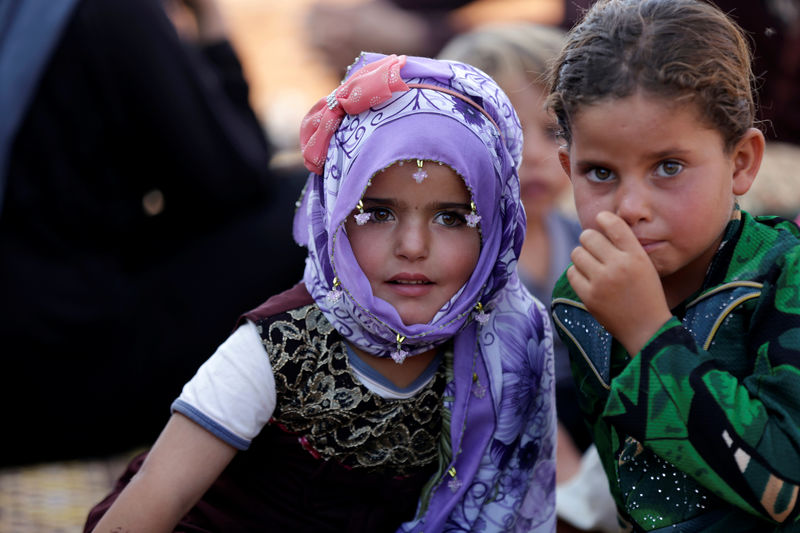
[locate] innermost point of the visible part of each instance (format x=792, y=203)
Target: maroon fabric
x=278, y=486
x=293, y=298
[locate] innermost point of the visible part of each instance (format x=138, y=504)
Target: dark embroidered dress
x=334, y=457
x=337, y=417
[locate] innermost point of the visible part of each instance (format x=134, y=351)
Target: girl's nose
x=633, y=201
x=412, y=240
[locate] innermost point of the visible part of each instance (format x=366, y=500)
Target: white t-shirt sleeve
x=232, y=395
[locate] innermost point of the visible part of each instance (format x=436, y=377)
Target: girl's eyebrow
x=655, y=156
x=452, y=205
x=589, y=163
x=381, y=201
x=669, y=152
x=433, y=205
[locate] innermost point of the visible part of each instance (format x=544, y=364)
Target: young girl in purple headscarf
x=407, y=383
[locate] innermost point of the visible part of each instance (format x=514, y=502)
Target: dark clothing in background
x=436, y=17
x=140, y=218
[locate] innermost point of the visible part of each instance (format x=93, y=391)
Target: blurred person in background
x=413, y=27
x=338, y=32
x=516, y=56
x=138, y=212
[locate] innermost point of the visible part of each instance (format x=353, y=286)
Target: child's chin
x=414, y=319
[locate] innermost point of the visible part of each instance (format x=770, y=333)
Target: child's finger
x=586, y=263
x=578, y=281
x=617, y=231
x=597, y=244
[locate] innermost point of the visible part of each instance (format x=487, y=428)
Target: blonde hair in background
x=514, y=54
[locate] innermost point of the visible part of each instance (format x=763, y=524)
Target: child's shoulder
x=786, y=243
x=784, y=227
x=299, y=338
x=290, y=317
x=766, y=241
x=294, y=298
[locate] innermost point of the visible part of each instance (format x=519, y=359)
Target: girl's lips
x=407, y=278
x=410, y=284
x=649, y=244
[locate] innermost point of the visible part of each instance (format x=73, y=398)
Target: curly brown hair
x=681, y=50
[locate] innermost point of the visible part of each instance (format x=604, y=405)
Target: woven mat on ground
x=55, y=497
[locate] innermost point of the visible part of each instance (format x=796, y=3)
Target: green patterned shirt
x=702, y=428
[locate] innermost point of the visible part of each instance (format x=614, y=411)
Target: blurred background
x=292, y=52
x=287, y=76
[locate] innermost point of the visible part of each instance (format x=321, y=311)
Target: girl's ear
x=746, y=157
x=563, y=157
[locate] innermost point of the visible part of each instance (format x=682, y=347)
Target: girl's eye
x=450, y=218
x=380, y=214
x=599, y=174
x=669, y=168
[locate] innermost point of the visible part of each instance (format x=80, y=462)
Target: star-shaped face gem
x=420, y=174
x=454, y=484
x=333, y=295
x=472, y=219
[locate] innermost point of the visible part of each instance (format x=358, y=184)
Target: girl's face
x=664, y=172
x=416, y=248
x=541, y=178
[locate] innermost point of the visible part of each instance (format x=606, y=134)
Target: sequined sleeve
x=729, y=412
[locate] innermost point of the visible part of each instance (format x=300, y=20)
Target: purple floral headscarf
x=502, y=409
x=417, y=124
